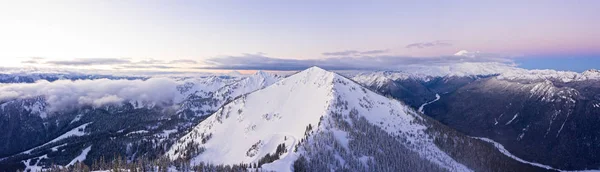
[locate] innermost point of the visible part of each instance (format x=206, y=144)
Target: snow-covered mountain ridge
x=281, y=113
x=314, y=114
x=561, y=76
x=501, y=71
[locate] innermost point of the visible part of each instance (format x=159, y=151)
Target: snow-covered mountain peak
x=592, y=71
x=382, y=78
x=259, y=78
x=591, y=74
x=271, y=78
x=248, y=128
x=462, y=53
x=260, y=72
x=470, y=54
x=315, y=70
x=280, y=118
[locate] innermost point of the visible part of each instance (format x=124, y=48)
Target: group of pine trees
x=268, y=158
x=119, y=164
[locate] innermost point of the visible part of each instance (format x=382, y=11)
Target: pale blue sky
x=200, y=30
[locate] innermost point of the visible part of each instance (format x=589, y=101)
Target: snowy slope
x=81, y=157
x=286, y=112
x=286, y=107
x=75, y=132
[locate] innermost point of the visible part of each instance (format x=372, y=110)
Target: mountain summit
x=319, y=120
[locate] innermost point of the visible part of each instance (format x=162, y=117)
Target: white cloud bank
x=68, y=94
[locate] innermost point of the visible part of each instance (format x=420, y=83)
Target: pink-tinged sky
x=200, y=30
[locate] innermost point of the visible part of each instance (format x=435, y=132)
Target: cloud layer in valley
x=63, y=94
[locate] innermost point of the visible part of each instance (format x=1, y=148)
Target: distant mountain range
x=542, y=116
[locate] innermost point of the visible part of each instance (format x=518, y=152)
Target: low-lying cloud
x=66, y=94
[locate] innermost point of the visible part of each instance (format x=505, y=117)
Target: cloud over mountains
x=363, y=62
x=379, y=59
x=63, y=94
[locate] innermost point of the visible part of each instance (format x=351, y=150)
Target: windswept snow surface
x=437, y=97
x=248, y=128
x=81, y=157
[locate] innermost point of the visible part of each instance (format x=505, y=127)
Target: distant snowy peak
x=461, y=52
x=278, y=119
x=466, y=53
x=382, y=78
x=265, y=77
x=591, y=74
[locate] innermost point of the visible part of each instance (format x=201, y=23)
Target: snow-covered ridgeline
x=503, y=71
x=254, y=125
x=264, y=118
x=562, y=76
